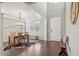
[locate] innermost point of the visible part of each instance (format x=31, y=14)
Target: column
x=63, y=23
x=1, y=33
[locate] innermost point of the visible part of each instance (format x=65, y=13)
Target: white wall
x=73, y=32
x=43, y=28
x=63, y=22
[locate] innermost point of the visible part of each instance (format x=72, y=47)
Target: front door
x=55, y=26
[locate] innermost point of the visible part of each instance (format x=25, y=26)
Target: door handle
x=51, y=30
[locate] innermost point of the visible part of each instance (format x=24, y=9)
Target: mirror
x=74, y=12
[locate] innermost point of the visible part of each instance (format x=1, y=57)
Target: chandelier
x=20, y=21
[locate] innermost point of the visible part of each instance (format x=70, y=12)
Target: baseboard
x=53, y=40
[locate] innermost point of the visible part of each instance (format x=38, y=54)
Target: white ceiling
x=39, y=7
x=55, y=9
x=34, y=10
x=48, y=9
x=14, y=8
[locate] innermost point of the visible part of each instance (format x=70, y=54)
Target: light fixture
x=21, y=22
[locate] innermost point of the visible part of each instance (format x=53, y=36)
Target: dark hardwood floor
x=40, y=48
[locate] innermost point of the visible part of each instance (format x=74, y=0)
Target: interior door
x=55, y=27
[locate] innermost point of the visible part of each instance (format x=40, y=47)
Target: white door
x=55, y=27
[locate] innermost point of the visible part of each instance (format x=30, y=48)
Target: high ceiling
x=48, y=9
x=34, y=10
x=40, y=8
x=55, y=9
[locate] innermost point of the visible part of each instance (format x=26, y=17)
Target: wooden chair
x=22, y=39
x=16, y=39
x=63, y=48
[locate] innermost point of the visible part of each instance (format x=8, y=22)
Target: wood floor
x=40, y=48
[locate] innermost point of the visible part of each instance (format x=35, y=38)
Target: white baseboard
x=53, y=40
